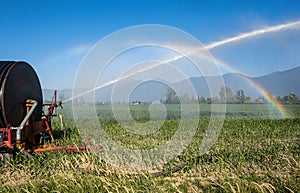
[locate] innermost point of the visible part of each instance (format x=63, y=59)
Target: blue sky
x=53, y=36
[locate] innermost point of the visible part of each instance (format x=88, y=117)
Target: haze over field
x=279, y=83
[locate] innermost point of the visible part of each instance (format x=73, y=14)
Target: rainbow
x=271, y=99
x=210, y=58
x=265, y=93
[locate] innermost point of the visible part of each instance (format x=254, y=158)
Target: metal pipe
x=19, y=129
x=35, y=103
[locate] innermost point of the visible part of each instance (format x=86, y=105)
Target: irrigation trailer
x=24, y=126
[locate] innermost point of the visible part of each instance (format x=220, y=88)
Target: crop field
x=256, y=151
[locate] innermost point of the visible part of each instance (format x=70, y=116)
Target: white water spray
x=253, y=34
x=210, y=46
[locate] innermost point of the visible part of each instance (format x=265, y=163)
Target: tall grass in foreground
x=249, y=156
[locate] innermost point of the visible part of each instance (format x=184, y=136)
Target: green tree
x=248, y=99
x=185, y=98
x=172, y=97
x=240, y=96
x=208, y=100
x=202, y=100
x=259, y=99
x=225, y=94
x=291, y=98
x=280, y=99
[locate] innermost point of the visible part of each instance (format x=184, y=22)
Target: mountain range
x=280, y=83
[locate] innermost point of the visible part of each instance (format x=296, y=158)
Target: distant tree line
x=227, y=96
x=289, y=99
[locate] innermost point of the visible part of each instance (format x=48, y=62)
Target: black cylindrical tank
x=18, y=82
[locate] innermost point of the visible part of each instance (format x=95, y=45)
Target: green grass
x=250, y=155
x=233, y=111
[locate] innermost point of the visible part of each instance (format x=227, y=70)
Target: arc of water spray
x=208, y=47
x=253, y=34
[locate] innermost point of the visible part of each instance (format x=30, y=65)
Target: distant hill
x=278, y=83
x=281, y=83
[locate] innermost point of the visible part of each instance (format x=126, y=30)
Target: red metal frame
x=53, y=105
x=69, y=149
x=33, y=128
